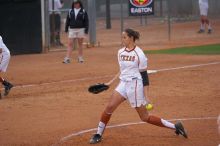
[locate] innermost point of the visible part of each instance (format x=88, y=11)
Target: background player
x=55, y=21
x=5, y=57
x=203, y=6
x=133, y=78
x=77, y=23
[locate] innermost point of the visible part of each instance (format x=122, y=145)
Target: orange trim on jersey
x=129, y=50
x=138, y=58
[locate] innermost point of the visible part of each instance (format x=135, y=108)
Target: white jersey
x=131, y=62
x=4, y=56
x=204, y=3
x=3, y=46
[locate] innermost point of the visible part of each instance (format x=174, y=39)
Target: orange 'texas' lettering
x=127, y=58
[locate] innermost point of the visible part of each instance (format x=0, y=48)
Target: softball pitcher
x=4, y=61
x=133, y=78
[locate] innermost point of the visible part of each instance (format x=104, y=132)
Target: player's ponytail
x=132, y=33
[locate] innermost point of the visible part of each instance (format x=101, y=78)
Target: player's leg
x=203, y=12
x=7, y=85
x=69, y=50
x=208, y=24
x=137, y=100
x=136, y=97
x=202, y=24
x=144, y=116
x=80, y=49
x=81, y=36
x=206, y=20
x=3, y=67
x=115, y=100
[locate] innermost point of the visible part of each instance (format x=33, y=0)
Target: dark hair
x=132, y=33
x=77, y=1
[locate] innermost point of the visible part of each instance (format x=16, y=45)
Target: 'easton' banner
x=141, y=7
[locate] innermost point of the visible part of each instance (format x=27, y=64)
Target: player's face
x=126, y=40
x=77, y=5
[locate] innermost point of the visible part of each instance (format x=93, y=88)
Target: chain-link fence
x=154, y=27
x=178, y=7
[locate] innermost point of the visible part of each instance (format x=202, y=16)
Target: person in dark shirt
x=77, y=24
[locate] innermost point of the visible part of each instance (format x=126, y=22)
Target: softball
x=149, y=107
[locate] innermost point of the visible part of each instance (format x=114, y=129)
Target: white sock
x=202, y=27
x=168, y=124
x=101, y=128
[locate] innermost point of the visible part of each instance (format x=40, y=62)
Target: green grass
x=196, y=50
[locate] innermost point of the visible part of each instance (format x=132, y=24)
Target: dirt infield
x=50, y=100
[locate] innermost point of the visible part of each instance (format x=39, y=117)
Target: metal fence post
x=45, y=26
x=168, y=20
x=122, y=17
x=108, y=15
x=92, y=21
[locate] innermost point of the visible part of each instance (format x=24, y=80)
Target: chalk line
x=66, y=138
x=188, y=66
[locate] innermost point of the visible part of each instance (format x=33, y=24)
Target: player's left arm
x=144, y=74
x=143, y=67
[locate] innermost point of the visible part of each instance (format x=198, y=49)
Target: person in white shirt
x=133, y=77
x=55, y=21
x=203, y=7
x=4, y=61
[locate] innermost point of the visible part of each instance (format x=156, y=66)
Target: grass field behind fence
x=196, y=50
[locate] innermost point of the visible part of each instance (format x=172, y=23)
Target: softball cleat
x=180, y=130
